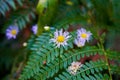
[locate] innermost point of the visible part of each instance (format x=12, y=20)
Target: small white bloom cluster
x=75, y=66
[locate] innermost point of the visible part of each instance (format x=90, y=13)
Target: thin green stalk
x=59, y=59
x=106, y=58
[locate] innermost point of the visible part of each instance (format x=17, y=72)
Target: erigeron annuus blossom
x=79, y=42
x=83, y=34
x=34, y=29
x=12, y=31
x=60, y=38
x=74, y=67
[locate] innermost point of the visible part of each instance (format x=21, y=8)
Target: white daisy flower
x=83, y=34
x=79, y=42
x=60, y=38
x=74, y=67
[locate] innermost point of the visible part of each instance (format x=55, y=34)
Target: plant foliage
x=46, y=62
x=49, y=63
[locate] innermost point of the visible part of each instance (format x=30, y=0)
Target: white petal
x=66, y=33
x=67, y=37
x=56, y=33
x=83, y=30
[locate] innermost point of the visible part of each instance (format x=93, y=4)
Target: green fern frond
x=35, y=57
x=114, y=58
x=20, y=20
x=114, y=69
x=66, y=59
x=51, y=68
x=42, y=51
x=86, y=72
x=113, y=55
x=20, y=2
x=6, y=5
x=24, y=19
x=31, y=41
x=46, y=62
x=96, y=76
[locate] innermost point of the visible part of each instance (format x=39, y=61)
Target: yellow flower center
x=13, y=32
x=60, y=38
x=84, y=35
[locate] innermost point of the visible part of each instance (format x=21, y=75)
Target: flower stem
x=106, y=58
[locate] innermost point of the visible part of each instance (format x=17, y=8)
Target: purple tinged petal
x=66, y=33
x=79, y=42
x=56, y=33
x=83, y=31
x=9, y=35
x=34, y=29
